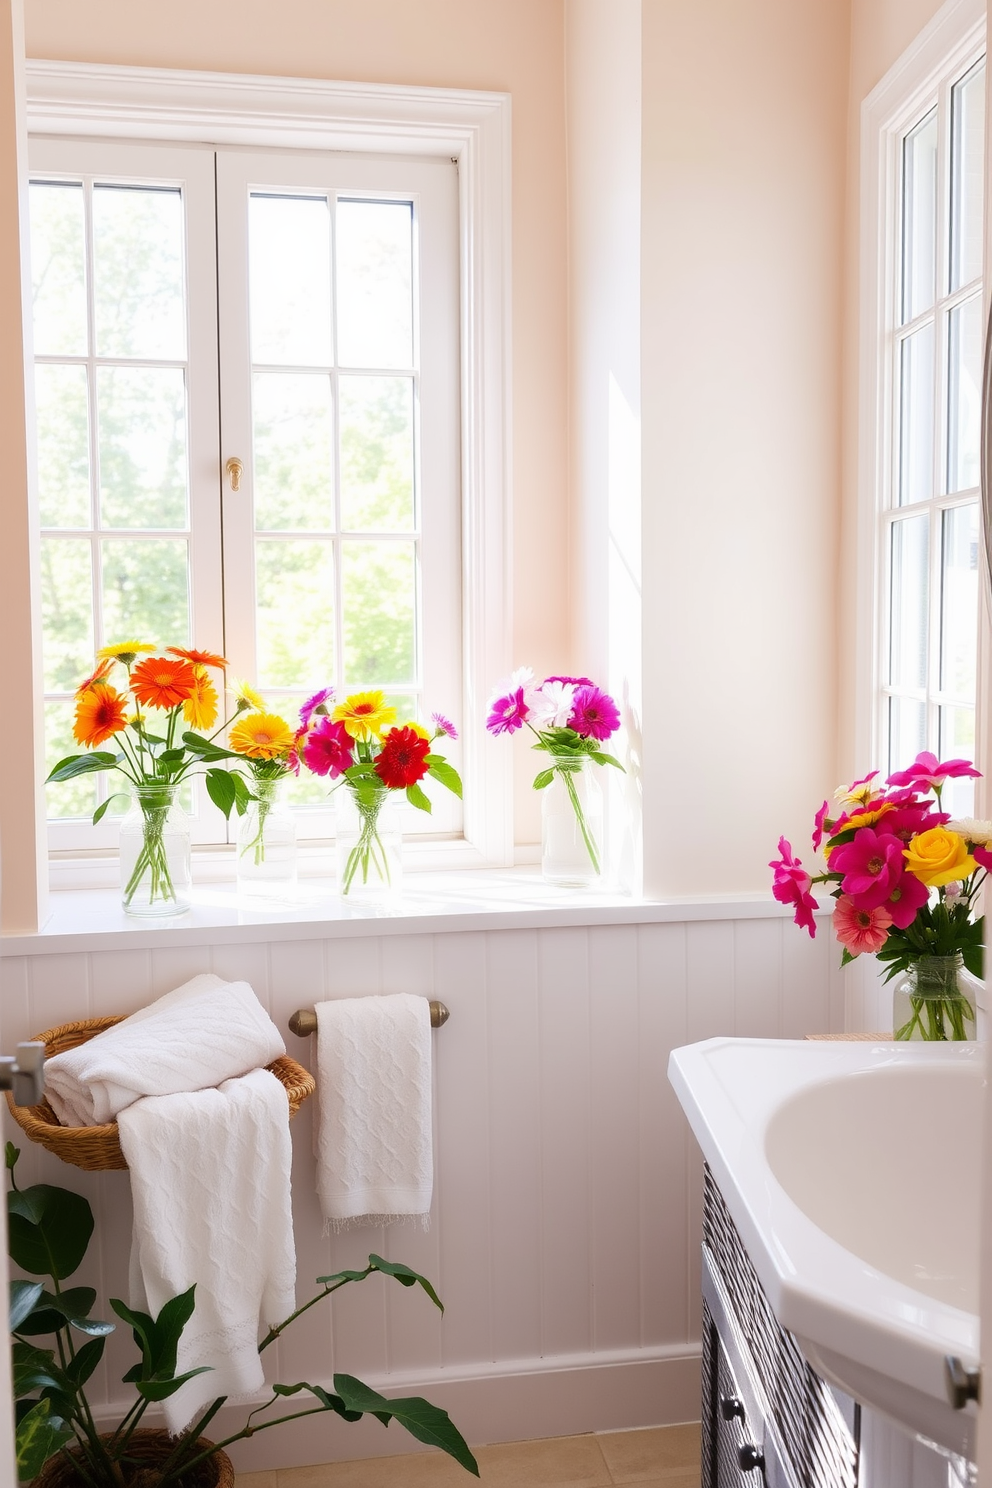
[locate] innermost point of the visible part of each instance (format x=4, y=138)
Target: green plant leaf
x=36, y=1369
x=426, y=1422
x=328, y=1401
x=846, y=957
x=602, y=758
x=49, y=1230
x=405, y=1276
x=104, y=806
x=220, y=789
x=417, y=798
x=206, y=749
x=87, y=1358
x=543, y=779
x=161, y=1389
x=23, y=1297
x=81, y=764
x=10, y=1156
x=142, y=1326
x=69, y=1308
x=445, y=774
x=158, y=1338
x=40, y=1434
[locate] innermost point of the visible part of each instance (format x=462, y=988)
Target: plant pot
x=148, y=1450
x=369, y=843
x=155, y=856
x=572, y=823
x=266, y=846
x=935, y=1000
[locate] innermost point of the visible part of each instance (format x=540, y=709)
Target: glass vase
x=266, y=845
x=572, y=823
x=934, y=1000
x=155, y=861
x=369, y=842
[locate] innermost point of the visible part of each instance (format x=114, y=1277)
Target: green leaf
x=48, y=1230
x=81, y=764
x=161, y=1389
x=56, y=1310
x=36, y=1369
x=104, y=806
x=143, y=1328
x=445, y=774
x=426, y=1422
x=405, y=1276
x=605, y=759
x=10, y=1156
x=221, y=789
x=543, y=779
x=40, y=1434
x=158, y=1338
x=87, y=1358
x=206, y=749
x=846, y=957
x=328, y=1401
x=23, y=1296
x=417, y=798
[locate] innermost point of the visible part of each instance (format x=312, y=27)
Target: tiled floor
x=659, y=1457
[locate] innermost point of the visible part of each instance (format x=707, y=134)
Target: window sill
x=430, y=903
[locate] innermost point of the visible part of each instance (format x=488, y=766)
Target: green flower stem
x=368, y=852
x=153, y=857
x=939, y=1010
x=566, y=773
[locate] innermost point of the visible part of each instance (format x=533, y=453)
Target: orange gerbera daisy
x=100, y=712
x=102, y=672
x=198, y=658
x=161, y=683
x=364, y=714
x=200, y=708
x=261, y=736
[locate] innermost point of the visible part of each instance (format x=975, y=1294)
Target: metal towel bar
x=304, y=1020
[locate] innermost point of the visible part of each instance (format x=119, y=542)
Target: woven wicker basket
x=147, y=1448
x=99, y=1147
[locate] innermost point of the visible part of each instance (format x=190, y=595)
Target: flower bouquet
x=161, y=694
x=905, y=878
x=360, y=745
x=570, y=717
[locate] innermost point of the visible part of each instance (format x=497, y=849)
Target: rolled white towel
x=193, y=1038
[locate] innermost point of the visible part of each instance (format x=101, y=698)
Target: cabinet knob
x=731, y=1406
x=750, y=1457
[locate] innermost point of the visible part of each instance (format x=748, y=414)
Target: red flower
x=329, y=748
x=402, y=760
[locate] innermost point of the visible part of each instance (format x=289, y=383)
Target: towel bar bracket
x=304, y=1020
x=24, y=1075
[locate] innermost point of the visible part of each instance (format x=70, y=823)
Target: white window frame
x=470, y=128
x=946, y=46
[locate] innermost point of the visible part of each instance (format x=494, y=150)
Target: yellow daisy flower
x=245, y=697
x=200, y=710
x=126, y=652
x=261, y=736
x=365, y=714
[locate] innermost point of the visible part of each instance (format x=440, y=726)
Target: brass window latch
x=235, y=470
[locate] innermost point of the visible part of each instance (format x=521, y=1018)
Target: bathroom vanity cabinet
x=767, y=1416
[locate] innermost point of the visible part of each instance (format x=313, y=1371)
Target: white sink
x=851, y=1171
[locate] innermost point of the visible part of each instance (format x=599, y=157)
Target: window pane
x=66, y=612
x=146, y=591
x=908, y=604
x=73, y=797
x=63, y=445
x=295, y=613
x=138, y=272
x=967, y=169
x=141, y=417
x=907, y=732
x=916, y=417
x=919, y=217
x=289, y=259
x=375, y=284
x=957, y=741
x=58, y=269
x=379, y=598
x=964, y=394
x=377, y=470
x=293, y=462
x=959, y=601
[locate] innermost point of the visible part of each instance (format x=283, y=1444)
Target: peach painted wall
x=514, y=46
x=743, y=195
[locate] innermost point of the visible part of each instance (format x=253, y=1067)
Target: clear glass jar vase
x=572, y=823
x=266, y=845
x=369, y=842
x=154, y=848
x=934, y=1000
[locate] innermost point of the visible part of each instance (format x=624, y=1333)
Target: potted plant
x=58, y=1442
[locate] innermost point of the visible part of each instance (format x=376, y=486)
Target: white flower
x=972, y=830
x=552, y=705
x=522, y=677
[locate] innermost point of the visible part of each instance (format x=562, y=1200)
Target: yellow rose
x=939, y=857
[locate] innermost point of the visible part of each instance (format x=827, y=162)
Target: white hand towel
x=204, y=1032
x=210, y=1178
x=373, y=1139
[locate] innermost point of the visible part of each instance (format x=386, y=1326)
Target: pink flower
x=792, y=884
x=575, y=681
x=444, y=725
x=507, y=714
x=594, y=713
x=928, y=772
x=293, y=757
x=328, y=749
x=909, y=821
x=315, y=703
x=906, y=897
x=861, y=929
x=872, y=866
x=819, y=822
x=983, y=857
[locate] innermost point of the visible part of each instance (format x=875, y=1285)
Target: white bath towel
x=205, y=1031
x=210, y=1178
x=373, y=1137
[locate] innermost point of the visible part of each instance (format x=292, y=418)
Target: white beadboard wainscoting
x=565, y=1231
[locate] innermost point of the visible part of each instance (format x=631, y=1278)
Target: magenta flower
x=444, y=725
x=861, y=929
x=906, y=897
x=819, y=822
x=507, y=714
x=792, y=884
x=316, y=703
x=575, y=681
x=909, y=821
x=928, y=772
x=594, y=714
x=328, y=749
x=983, y=857
x=872, y=866
x=293, y=757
